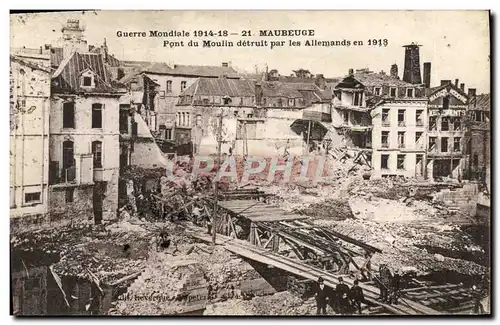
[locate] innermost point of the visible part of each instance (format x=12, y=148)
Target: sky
x=457, y=43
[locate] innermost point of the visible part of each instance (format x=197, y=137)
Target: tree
x=302, y=73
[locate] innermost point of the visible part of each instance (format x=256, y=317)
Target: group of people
x=343, y=300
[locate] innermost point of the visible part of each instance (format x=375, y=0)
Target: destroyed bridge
x=248, y=226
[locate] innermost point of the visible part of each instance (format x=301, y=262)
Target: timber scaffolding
x=271, y=236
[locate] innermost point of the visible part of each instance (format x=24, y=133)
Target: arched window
x=22, y=82
x=97, y=152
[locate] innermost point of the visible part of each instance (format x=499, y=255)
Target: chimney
x=382, y=72
x=411, y=72
x=41, y=50
x=427, y=74
x=472, y=96
x=225, y=64
x=351, y=72
x=456, y=83
x=462, y=87
x=394, y=71
x=258, y=93
x=445, y=82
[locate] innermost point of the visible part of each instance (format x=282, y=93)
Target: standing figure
x=357, y=295
x=322, y=297
x=342, y=297
x=384, y=281
x=395, y=287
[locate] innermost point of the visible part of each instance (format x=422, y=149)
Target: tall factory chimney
x=427, y=74
x=394, y=71
x=412, y=64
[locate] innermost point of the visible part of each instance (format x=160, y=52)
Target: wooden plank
x=271, y=218
x=444, y=286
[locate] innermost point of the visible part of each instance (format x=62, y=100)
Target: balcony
x=420, y=123
x=401, y=145
x=385, y=145
x=386, y=123
x=401, y=123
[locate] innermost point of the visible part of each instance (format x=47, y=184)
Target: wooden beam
x=270, y=240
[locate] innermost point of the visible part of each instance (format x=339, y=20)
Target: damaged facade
x=446, y=152
x=29, y=136
x=170, y=127
x=479, y=149
x=259, y=117
x=84, y=134
x=383, y=117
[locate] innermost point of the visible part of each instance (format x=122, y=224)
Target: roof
x=311, y=92
x=221, y=87
x=67, y=76
x=157, y=68
x=450, y=84
x=279, y=89
x=373, y=79
x=293, y=79
x=56, y=56
x=204, y=71
x=483, y=102
x=30, y=64
x=253, y=76
x=332, y=82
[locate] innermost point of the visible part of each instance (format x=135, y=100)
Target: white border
x=214, y=4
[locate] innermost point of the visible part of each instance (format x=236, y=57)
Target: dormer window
x=87, y=79
x=409, y=92
x=377, y=91
x=393, y=91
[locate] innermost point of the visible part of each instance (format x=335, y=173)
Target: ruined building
x=84, y=133
x=171, y=81
x=480, y=134
x=446, y=154
x=260, y=117
x=383, y=117
x=29, y=137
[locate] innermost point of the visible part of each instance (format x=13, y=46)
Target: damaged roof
x=56, y=56
x=311, y=92
x=67, y=76
x=483, y=102
x=373, y=79
x=28, y=63
x=204, y=71
x=279, y=89
x=221, y=87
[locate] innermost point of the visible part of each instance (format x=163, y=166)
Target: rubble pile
x=400, y=245
x=279, y=304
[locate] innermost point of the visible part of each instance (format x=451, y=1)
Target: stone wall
x=78, y=211
x=465, y=198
